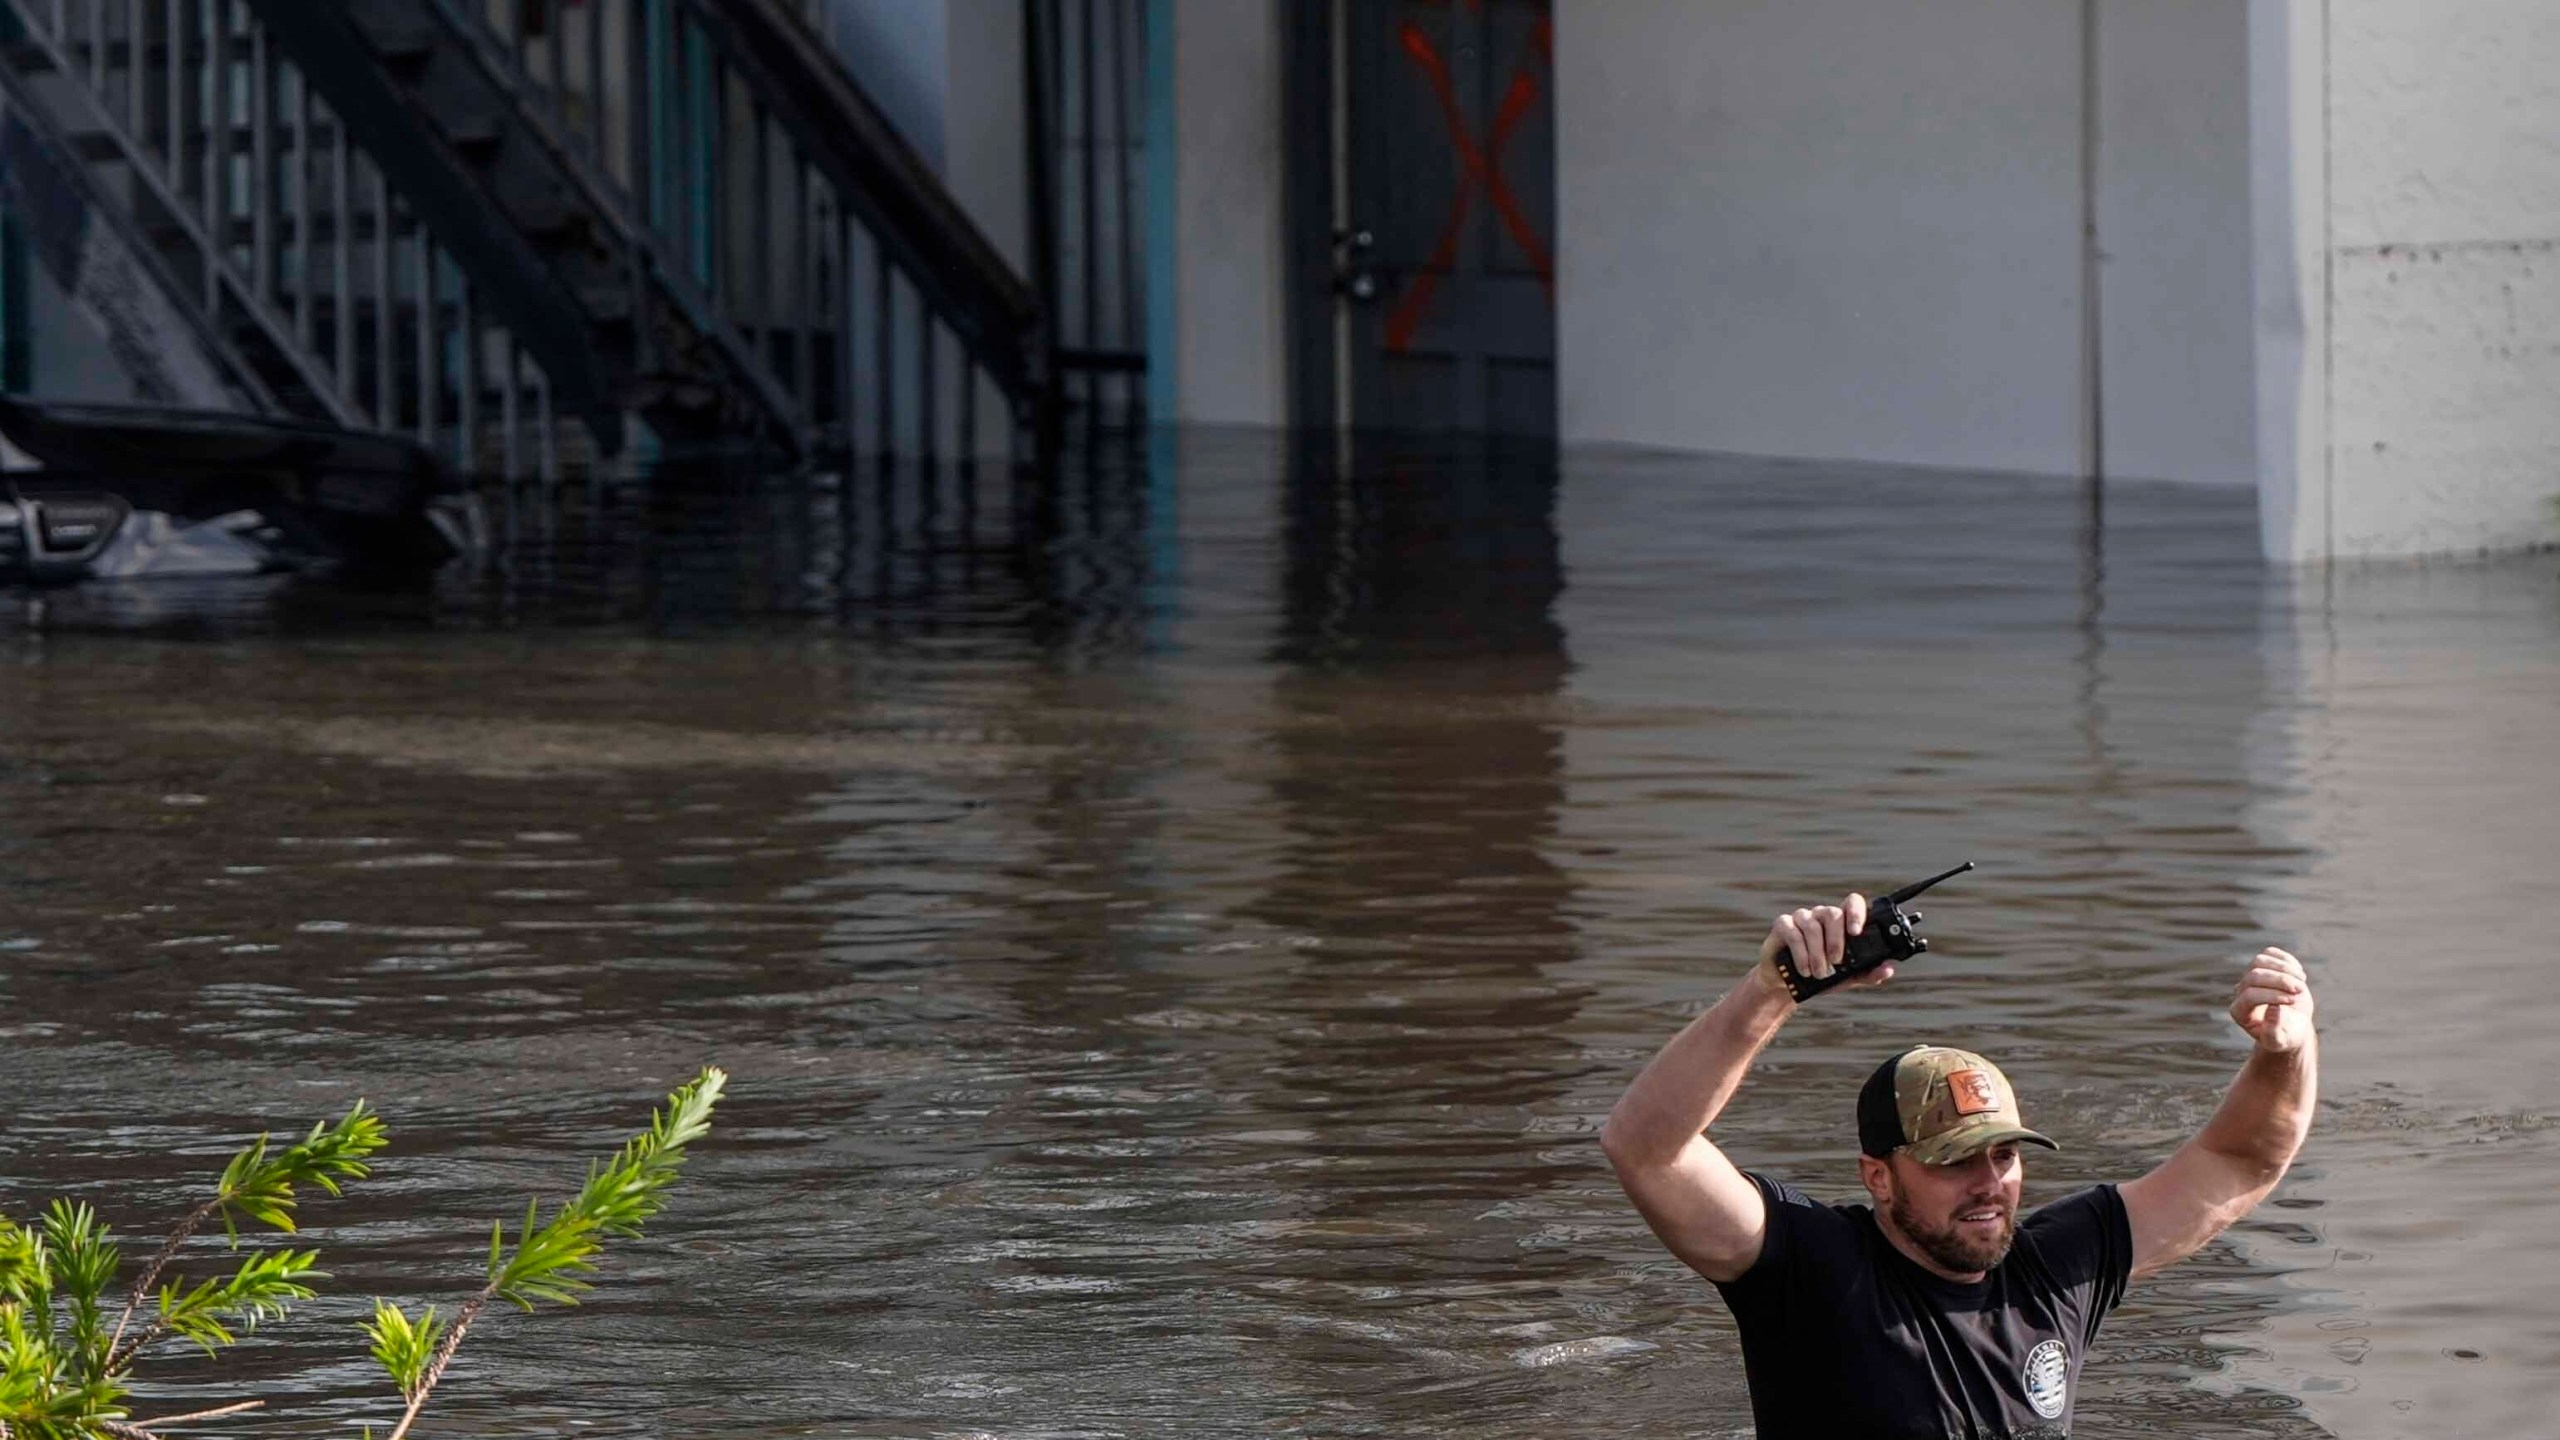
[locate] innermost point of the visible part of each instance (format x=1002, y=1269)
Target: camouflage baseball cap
x=1941, y=1105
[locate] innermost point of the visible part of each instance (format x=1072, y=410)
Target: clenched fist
x=2272, y=1003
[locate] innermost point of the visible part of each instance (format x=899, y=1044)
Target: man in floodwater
x=1938, y=1312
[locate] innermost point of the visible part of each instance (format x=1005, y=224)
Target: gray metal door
x=1448, y=249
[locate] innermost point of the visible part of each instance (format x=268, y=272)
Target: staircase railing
x=507, y=225
x=760, y=171
x=1085, y=91
x=274, y=229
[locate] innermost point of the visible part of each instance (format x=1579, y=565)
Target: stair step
x=243, y=232
x=421, y=57
x=474, y=130
x=605, y=302
x=100, y=145
x=94, y=147
x=119, y=52
x=28, y=57
x=548, y=224
x=395, y=30
x=605, y=299
x=543, y=213
x=324, y=319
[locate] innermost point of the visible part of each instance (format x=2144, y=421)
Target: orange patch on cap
x=1973, y=1092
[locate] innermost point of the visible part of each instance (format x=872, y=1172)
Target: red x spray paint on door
x=1479, y=168
x=1448, y=218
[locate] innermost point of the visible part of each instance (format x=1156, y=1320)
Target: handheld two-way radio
x=1892, y=934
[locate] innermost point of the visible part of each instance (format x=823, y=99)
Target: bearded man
x=1937, y=1312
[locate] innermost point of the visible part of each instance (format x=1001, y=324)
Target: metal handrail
x=876, y=168
x=241, y=132
x=817, y=164
x=1084, y=86
x=224, y=280
x=868, y=314
x=612, y=202
x=489, y=250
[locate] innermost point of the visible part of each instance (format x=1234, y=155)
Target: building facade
x=2310, y=246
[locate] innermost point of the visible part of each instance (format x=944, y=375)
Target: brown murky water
x=1174, y=964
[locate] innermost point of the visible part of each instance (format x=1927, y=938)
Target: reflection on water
x=1396, y=817
x=1176, y=929
x=2411, y=752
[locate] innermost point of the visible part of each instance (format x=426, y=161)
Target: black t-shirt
x=1844, y=1338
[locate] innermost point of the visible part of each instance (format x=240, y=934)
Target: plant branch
x=261, y=1189
x=213, y=1414
x=119, y=1361
x=462, y=1319
x=117, y=1356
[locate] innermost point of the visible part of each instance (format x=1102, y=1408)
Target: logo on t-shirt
x=1973, y=1092
x=2048, y=1377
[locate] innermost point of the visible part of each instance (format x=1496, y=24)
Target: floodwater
x=1175, y=935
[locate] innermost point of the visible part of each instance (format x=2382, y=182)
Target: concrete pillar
x=2406, y=262
x=1228, y=276
x=2289, y=272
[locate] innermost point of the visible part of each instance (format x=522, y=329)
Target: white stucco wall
x=985, y=154
x=1831, y=228
x=2173, y=223
x=1231, y=360
x=899, y=51
x=1845, y=230
x=2422, y=253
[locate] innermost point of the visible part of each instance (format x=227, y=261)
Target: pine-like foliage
x=405, y=1347
x=64, y=1366
x=552, y=1259
x=261, y=1188
x=261, y=1289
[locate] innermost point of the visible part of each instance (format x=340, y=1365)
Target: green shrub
x=64, y=1366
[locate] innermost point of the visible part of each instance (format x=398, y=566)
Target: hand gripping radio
x=1892, y=933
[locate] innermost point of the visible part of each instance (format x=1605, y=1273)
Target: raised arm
x=2242, y=1152
x=1700, y=1206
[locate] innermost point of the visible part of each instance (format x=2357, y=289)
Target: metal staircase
x=512, y=227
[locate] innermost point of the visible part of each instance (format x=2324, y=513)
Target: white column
x=1230, y=279
x=2289, y=271
x=2406, y=193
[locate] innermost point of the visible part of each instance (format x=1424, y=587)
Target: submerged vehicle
x=129, y=491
